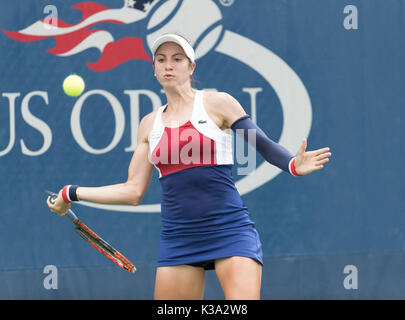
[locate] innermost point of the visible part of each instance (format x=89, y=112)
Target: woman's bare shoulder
x=223, y=106
x=146, y=125
x=217, y=97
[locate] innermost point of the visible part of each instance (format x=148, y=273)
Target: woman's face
x=172, y=67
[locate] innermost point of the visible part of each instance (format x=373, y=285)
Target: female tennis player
x=205, y=224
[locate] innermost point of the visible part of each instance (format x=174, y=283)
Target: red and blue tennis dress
x=203, y=215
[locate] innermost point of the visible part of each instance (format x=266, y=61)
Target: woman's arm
x=130, y=192
x=227, y=112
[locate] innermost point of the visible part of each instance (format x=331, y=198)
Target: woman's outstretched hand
x=308, y=161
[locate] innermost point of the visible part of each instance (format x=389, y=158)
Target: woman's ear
x=192, y=65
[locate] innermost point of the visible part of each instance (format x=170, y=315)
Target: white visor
x=188, y=49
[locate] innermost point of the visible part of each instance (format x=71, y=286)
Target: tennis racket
x=96, y=242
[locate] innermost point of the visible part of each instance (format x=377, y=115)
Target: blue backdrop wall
x=331, y=71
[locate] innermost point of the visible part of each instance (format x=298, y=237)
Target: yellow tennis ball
x=73, y=85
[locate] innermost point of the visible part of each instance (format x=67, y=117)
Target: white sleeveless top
x=198, y=142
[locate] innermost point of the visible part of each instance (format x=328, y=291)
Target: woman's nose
x=168, y=65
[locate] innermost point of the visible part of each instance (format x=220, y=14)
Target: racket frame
x=97, y=242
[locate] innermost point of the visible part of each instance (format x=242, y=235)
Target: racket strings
x=104, y=248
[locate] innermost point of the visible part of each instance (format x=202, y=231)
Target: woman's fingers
x=308, y=161
x=321, y=151
x=58, y=208
x=321, y=162
x=322, y=156
x=303, y=146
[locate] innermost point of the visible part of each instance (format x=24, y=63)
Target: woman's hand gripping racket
x=101, y=245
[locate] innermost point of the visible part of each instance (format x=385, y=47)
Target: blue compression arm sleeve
x=271, y=151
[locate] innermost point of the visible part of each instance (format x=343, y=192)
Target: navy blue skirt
x=202, y=249
x=204, y=218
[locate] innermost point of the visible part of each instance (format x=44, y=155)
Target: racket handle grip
x=70, y=214
x=52, y=198
x=72, y=217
